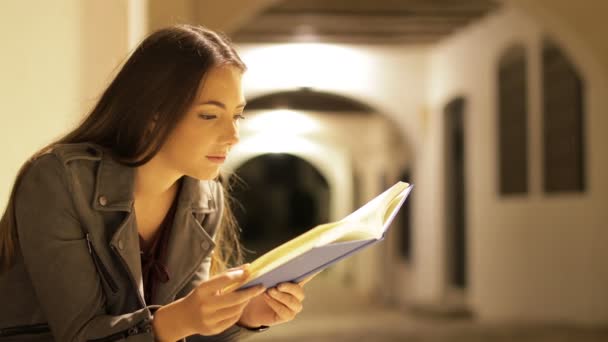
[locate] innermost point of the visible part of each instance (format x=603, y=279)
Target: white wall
x=39, y=92
x=56, y=58
x=535, y=257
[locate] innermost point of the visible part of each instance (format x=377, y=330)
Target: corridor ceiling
x=361, y=22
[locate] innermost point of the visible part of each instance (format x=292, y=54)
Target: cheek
x=178, y=147
x=187, y=147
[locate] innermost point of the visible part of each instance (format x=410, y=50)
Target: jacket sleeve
x=211, y=223
x=59, y=265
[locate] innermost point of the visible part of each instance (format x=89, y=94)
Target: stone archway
x=355, y=149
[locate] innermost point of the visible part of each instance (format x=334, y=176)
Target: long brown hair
x=159, y=82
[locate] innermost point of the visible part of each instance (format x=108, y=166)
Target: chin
x=204, y=175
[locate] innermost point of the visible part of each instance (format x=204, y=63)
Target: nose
x=230, y=134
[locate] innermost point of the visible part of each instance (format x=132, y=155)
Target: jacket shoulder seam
x=79, y=151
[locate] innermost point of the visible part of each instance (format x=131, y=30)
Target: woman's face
x=200, y=142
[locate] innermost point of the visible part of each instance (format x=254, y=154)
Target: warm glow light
x=280, y=121
x=276, y=143
x=315, y=65
x=277, y=131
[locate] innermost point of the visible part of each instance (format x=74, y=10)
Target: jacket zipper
x=114, y=337
x=104, y=271
x=141, y=327
x=24, y=329
x=142, y=303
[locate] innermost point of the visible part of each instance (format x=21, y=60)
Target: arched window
x=405, y=224
x=513, y=122
x=563, y=123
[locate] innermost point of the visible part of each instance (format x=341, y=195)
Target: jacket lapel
x=114, y=192
x=125, y=242
x=188, y=244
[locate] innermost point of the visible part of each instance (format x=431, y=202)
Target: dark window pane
x=404, y=219
x=513, y=122
x=563, y=123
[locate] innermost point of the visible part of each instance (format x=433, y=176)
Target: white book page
x=370, y=220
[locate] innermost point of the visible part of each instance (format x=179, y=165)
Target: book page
x=370, y=221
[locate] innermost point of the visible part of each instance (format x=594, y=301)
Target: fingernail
x=235, y=273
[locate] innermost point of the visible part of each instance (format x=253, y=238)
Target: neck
x=154, y=180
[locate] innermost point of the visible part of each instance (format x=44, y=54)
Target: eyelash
x=211, y=116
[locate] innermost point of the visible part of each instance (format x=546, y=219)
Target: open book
x=328, y=243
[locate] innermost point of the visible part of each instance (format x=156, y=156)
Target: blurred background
x=494, y=109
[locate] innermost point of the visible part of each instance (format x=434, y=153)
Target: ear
x=151, y=125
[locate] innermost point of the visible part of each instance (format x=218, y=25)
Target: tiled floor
x=339, y=317
x=392, y=326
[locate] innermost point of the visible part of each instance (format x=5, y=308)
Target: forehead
x=221, y=82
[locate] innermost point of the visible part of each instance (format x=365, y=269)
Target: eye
x=239, y=116
x=207, y=116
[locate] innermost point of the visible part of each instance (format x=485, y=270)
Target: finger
x=241, y=296
x=307, y=279
x=224, y=279
x=221, y=326
x=226, y=313
x=228, y=322
x=245, y=265
x=290, y=301
x=282, y=313
x=295, y=290
x=217, y=302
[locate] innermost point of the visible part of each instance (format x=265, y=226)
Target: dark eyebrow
x=219, y=104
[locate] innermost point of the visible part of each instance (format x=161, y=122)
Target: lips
x=217, y=158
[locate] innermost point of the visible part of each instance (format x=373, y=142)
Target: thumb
x=308, y=278
x=222, y=280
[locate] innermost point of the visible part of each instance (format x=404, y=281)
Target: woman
x=119, y=229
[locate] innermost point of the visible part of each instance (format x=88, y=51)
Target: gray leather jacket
x=78, y=275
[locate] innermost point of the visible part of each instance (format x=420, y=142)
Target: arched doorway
x=278, y=197
x=321, y=129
